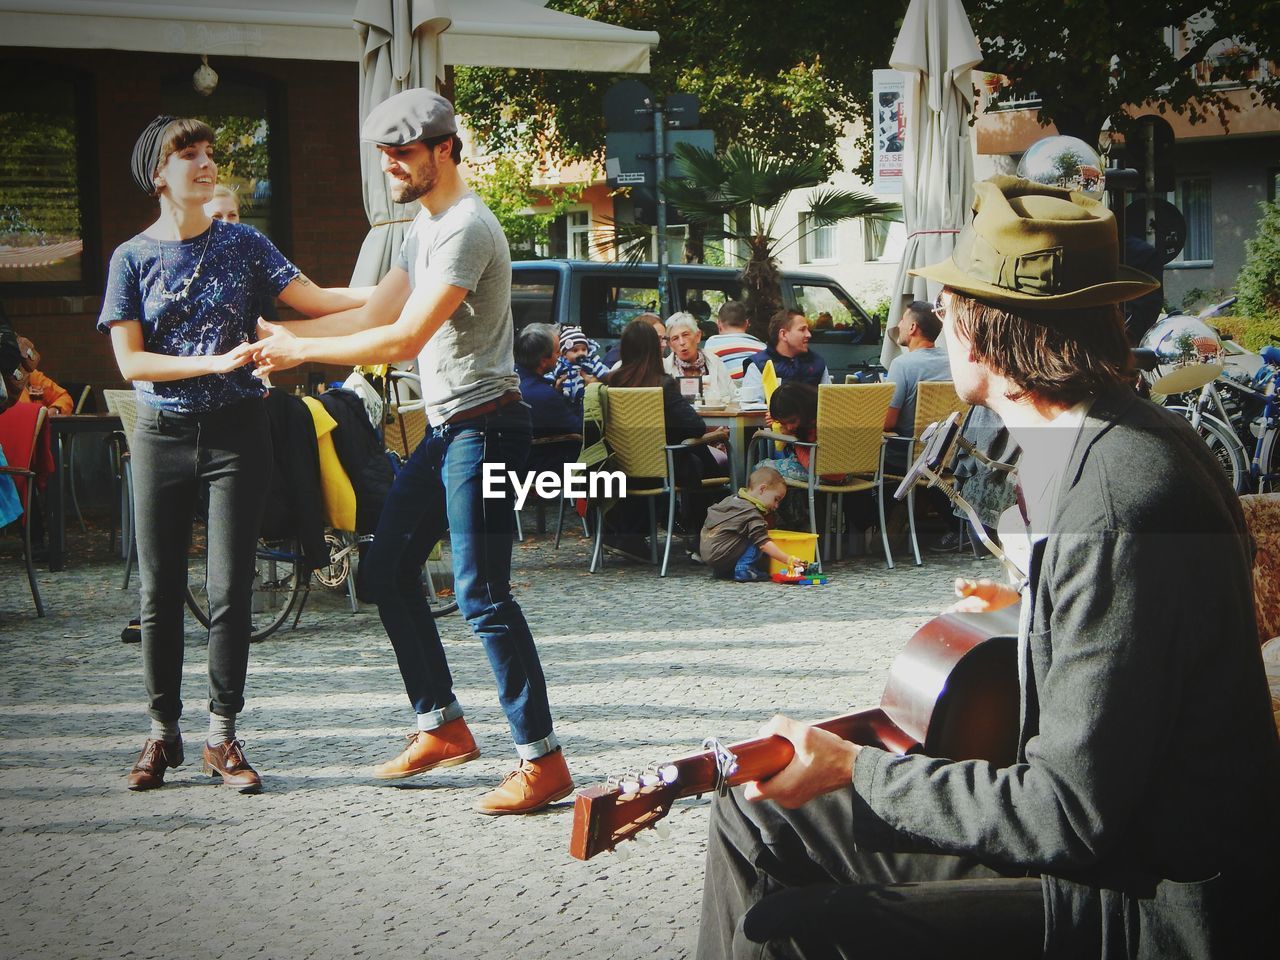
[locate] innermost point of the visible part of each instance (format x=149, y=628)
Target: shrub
x=1252, y=333
x=1258, y=284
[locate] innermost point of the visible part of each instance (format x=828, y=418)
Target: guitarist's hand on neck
x=823, y=762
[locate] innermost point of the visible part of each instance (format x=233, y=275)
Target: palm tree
x=738, y=196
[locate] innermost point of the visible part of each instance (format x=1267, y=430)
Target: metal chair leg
x=813, y=528
x=519, y=531
x=26, y=555
x=597, y=551
x=671, y=523
x=71, y=481
x=560, y=523
x=884, y=527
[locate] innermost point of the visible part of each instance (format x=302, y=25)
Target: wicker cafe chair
x=540, y=504
x=635, y=429
x=22, y=471
x=935, y=400
x=848, y=441
x=124, y=404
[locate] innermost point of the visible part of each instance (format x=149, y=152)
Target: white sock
x=165, y=730
x=221, y=729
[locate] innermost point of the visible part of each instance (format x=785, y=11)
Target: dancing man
x=447, y=301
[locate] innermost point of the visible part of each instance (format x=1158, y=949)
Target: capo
x=726, y=763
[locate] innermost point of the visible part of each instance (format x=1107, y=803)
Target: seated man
x=550, y=412
x=917, y=332
x=789, y=352
x=1138, y=817
x=733, y=345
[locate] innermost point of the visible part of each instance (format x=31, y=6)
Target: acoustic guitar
x=952, y=692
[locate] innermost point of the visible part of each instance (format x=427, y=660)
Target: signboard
x=889, y=117
x=629, y=162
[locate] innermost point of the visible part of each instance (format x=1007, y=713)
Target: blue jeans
x=440, y=488
x=749, y=562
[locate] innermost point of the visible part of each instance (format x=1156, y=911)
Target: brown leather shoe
x=227, y=761
x=531, y=786
x=446, y=746
x=157, y=756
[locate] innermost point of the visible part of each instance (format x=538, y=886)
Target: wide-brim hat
x=1038, y=247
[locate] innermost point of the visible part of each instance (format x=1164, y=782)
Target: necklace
x=185, y=283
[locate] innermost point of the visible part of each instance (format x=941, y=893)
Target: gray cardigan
x=1147, y=788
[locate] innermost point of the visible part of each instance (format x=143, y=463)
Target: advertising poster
x=889, y=114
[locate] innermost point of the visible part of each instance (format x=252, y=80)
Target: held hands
x=277, y=350
x=233, y=358
x=982, y=596
x=822, y=763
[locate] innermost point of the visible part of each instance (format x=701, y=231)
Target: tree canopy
x=784, y=78
x=787, y=77
x=1086, y=61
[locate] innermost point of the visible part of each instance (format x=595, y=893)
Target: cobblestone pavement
x=326, y=862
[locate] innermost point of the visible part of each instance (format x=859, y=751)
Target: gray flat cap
x=410, y=115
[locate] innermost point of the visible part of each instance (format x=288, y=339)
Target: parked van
x=604, y=297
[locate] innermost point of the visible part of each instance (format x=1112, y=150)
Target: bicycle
x=282, y=583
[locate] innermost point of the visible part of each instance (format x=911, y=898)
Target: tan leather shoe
x=446, y=746
x=157, y=756
x=227, y=760
x=531, y=786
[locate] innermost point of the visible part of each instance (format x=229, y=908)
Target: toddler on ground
x=735, y=539
x=577, y=364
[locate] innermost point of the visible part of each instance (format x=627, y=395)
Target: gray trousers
x=794, y=883
x=175, y=456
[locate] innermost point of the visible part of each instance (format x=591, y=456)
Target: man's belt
x=482, y=409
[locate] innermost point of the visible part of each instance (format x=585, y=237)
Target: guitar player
x=1140, y=818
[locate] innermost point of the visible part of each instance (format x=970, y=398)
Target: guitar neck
x=761, y=758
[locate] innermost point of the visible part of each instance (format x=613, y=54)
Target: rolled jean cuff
x=438, y=718
x=539, y=748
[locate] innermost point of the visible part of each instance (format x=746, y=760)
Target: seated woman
x=641, y=366
x=688, y=359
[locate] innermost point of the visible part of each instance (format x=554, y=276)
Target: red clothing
x=17, y=431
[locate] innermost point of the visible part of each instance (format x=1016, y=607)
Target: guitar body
x=952, y=692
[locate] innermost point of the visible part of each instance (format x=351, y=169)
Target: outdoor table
x=738, y=421
x=59, y=429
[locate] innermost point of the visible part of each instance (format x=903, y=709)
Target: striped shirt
x=733, y=349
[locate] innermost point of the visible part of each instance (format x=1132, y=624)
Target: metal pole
x=660, y=174
x=1149, y=206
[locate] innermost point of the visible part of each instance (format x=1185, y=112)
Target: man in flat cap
x=447, y=302
x=1134, y=814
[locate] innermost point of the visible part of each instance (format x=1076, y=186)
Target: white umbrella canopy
x=937, y=49
x=407, y=43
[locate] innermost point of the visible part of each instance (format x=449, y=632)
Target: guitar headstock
x=606, y=814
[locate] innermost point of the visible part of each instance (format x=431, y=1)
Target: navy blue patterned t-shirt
x=240, y=270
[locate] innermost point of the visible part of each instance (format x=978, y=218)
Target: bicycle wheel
x=437, y=580
x=1269, y=464
x=277, y=581
x=1224, y=445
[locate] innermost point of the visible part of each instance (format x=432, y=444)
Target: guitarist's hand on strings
x=823, y=762
x=982, y=596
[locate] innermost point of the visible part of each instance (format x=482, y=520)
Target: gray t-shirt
x=906, y=371
x=469, y=360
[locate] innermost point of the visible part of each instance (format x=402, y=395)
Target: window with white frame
x=817, y=241
x=884, y=239
x=578, y=234
x=1194, y=198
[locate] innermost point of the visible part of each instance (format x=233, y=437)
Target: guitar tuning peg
x=662, y=830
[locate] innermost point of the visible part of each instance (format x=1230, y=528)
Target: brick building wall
x=324, y=208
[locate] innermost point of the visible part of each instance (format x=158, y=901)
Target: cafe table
x=741, y=423
x=60, y=428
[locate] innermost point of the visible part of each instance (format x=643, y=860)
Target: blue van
x=604, y=297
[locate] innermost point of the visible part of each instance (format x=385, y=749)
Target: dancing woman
x=179, y=307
